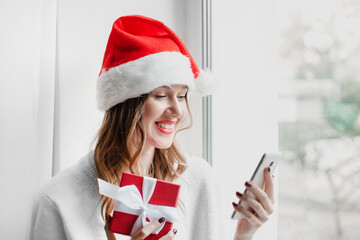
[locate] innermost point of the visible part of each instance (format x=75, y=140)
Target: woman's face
x=164, y=109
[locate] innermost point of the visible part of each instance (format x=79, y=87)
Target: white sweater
x=69, y=205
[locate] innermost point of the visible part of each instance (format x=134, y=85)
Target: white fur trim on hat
x=141, y=76
x=206, y=83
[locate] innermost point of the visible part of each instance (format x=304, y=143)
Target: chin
x=164, y=146
x=162, y=143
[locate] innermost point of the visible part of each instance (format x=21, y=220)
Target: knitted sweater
x=69, y=205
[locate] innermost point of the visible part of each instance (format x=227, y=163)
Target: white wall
x=19, y=80
x=244, y=108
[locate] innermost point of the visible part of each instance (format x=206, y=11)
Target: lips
x=165, y=126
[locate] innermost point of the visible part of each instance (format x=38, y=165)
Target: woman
x=143, y=86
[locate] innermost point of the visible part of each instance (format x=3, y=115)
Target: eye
x=181, y=97
x=160, y=96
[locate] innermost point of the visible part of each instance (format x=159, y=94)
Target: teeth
x=164, y=125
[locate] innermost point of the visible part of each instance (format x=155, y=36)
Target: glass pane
x=319, y=123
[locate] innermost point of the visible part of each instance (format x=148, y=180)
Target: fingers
x=151, y=227
x=170, y=235
x=255, y=206
x=260, y=204
x=263, y=196
x=252, y=219
x=269, y=184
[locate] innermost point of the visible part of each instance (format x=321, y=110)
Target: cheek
x=153, y=108
x=150, y=113
x=184, y=114
x=149, y=124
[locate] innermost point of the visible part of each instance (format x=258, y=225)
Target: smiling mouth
x=167, y=128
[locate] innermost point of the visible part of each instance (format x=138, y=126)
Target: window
x=319, y=119
x=244, y=107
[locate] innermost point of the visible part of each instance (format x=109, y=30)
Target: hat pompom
x=206, y=83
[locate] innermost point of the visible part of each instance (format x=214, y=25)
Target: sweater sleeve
x=205, y=220
x=208, y=213
x=47, y=222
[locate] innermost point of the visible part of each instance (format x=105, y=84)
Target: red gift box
x=165, y=194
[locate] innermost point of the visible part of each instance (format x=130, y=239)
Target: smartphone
x=268, y=159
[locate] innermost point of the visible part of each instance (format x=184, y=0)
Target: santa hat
x=141, y=55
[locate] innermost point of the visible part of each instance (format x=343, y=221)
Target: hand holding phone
x=268, y=160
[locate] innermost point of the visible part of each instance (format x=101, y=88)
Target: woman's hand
x=148, y=229
x=260, y=208
x=144, y=232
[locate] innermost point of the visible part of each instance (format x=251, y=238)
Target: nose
x=174, y=108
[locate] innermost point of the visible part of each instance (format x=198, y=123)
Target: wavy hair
x=120, y=141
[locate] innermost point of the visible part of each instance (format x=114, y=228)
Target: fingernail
x=238, y=194
x=248, y=184
x=269, y=169
x=161, y=220
x=174, y=231
x=235, y=204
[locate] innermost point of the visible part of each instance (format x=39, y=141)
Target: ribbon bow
x=129, y=200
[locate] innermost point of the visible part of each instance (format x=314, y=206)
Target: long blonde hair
x=120, y=141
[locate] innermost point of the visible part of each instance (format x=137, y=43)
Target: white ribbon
x=129, y=200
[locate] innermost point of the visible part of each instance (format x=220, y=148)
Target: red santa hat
x=141, y=55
